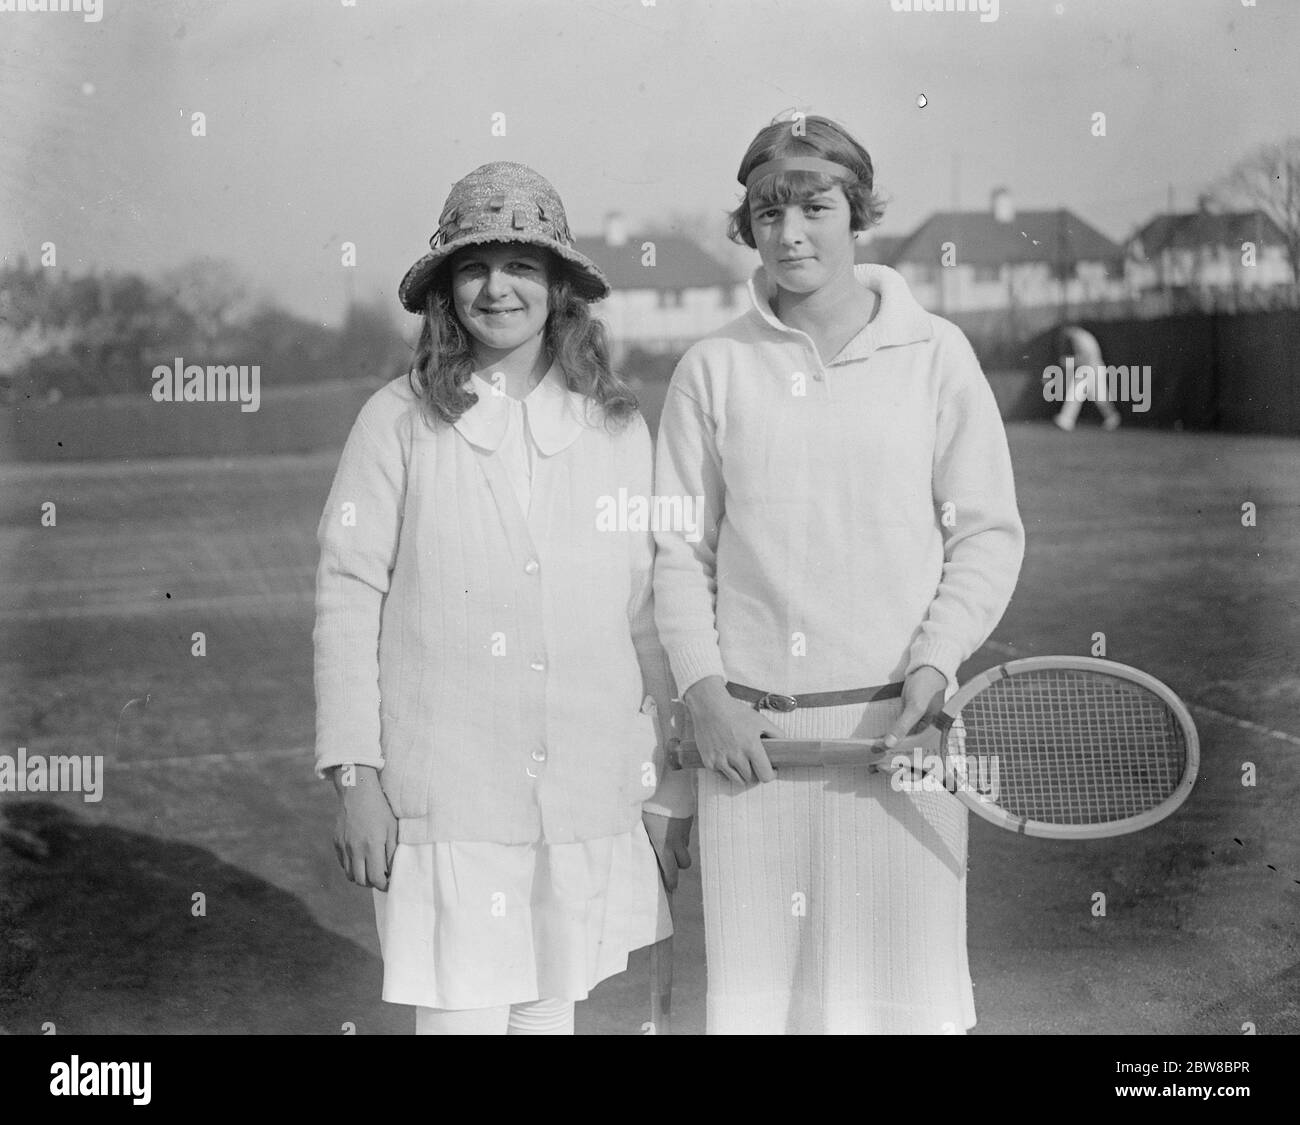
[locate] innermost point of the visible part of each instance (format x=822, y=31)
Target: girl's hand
x=671, y=838
x=365, y=833
x=729, y=732
x=923, y=694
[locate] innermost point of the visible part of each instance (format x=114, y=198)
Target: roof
x=1202, y=228
x=679, y=263
x=1032, y=236
x=882, y=249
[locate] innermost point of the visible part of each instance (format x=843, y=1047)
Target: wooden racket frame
x=873, y=753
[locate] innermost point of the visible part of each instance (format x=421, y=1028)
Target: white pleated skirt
x=832, y=903
x=479, y=925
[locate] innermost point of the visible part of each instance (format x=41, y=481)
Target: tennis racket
x=1071, y=748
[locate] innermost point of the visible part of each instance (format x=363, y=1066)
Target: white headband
x=798, y=164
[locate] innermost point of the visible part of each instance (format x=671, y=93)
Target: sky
x=328, y=122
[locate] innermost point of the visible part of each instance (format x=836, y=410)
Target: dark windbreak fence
x=1236, y=372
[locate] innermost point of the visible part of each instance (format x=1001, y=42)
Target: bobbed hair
x=806, y=136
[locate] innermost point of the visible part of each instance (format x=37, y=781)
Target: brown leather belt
x=775, y=701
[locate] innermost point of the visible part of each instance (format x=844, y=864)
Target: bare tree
x=1269, y=179
x=213, y=292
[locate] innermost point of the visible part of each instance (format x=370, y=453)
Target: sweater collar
x=554, y=415
x=900, y=319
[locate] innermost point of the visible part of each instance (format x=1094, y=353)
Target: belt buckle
x=774, y=701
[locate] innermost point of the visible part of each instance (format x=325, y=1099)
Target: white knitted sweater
x=860, y=515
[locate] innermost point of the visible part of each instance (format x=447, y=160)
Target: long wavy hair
x=574, y=340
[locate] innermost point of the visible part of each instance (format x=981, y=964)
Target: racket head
x=1076, y=747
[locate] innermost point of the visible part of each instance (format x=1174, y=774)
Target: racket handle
x=661, y=981
x=685, y=754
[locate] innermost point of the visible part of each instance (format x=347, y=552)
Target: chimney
x=615, y=229
x=1004, y=210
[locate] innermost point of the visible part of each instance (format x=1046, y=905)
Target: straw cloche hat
x=501, y=202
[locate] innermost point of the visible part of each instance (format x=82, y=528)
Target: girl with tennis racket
x=861, y=541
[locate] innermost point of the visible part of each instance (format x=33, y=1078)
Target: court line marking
x=305, y=752
x=137, y=581
x=1245, y=724
x=1212, y=712
x=167, y=605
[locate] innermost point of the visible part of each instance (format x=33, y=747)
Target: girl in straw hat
x=861, y=541
x=489, y=683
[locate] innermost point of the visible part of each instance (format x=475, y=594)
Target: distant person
x=1081, y=345
x=486, y=656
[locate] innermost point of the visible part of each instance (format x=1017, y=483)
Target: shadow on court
x=97, y=936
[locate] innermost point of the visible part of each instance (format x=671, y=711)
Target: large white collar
x=899, y=320
x=554, y=415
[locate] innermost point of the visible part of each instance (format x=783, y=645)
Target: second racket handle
x=791, y=752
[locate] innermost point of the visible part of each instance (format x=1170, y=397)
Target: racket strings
x=1073, y=747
